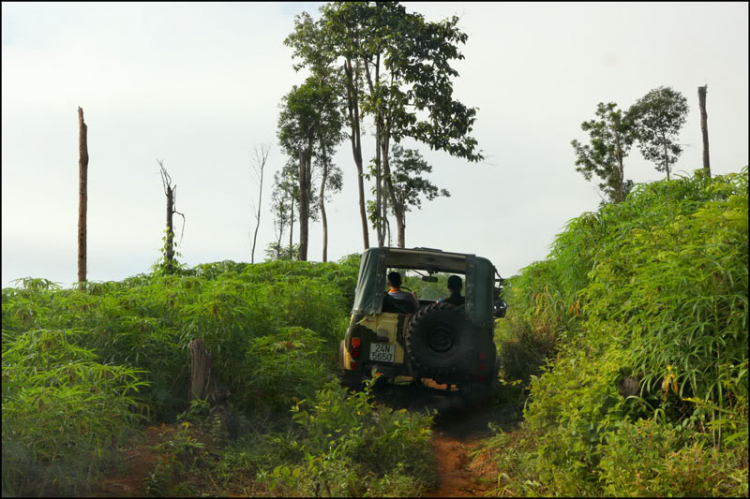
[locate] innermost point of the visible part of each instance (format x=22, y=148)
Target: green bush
x=655, y=290
x=647, y=458
x=527, y=336
x=59, y=344
x=62, y=411
x=285, y=365
x=352, y=447
x=148, y=321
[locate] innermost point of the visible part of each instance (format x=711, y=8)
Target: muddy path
x=458, y=429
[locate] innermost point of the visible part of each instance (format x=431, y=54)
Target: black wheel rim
x=440, y=339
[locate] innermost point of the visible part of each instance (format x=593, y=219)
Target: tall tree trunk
x=620, y=192
x=281, y=231
x=291, y=229
x=385, y=220
x=305, y=159
x=704, y=127
x=666, y=156
x=83, y=166
x=356, y=139
x=323, y=204
x=378, y=188
x=398, y=207
x=378, y=158
x=170, y=231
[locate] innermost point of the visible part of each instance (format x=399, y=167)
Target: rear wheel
x=439, y=339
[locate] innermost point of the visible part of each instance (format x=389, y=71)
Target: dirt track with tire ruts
x=458, y=429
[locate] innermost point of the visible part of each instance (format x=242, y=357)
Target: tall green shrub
x=652, y=290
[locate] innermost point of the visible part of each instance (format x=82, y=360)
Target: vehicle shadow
x=453, y=416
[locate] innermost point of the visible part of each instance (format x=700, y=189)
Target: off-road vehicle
x=449, y=344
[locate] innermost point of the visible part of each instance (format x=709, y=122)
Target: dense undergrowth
x=632, y=337
x=83, y=369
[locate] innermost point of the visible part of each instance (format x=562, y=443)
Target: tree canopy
x=657, y=119
x=397, y=70
x=611, y=137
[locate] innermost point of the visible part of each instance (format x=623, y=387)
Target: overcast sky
x=198, y=85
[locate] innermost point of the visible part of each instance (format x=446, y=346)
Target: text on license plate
x=382, y=352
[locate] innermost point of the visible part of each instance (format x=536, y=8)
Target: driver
x=454, y=286
x=394, y=291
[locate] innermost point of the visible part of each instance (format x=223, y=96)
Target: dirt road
x=458, y=430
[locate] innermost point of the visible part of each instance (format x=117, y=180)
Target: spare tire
x=439, y=339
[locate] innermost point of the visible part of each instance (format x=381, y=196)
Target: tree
x=285, y=193
x=319, y=45
x=412, y=94
x=83, y=166
x=406, y=63
x=408, y=183
x=611, y=139
x=702, y=91
x=171, y=192
x=657, y=119
x=257, y=167
x=309, y=116
x=330, y=183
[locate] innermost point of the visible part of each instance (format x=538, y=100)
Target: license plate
x=382, y=352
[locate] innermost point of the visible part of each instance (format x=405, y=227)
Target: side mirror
x=499, y=309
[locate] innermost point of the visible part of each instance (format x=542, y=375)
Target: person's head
x=454, y=283
x=394, y=280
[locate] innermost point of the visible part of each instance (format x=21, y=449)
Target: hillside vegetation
x=630, y=342
x=85, y=370
x=633, y=338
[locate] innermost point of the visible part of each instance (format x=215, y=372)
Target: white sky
x=199, y=84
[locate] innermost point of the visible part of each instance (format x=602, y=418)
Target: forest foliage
x=633, y=338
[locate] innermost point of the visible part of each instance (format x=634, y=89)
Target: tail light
x=355, y=350
x=482, y=364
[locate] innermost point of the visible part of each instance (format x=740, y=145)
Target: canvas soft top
x=479, y=272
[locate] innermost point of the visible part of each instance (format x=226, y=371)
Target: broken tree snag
x=171, y=192
x=203, y=385
x=170, y=229
x=704, y=127
x=83, y=165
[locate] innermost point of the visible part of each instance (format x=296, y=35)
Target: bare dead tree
x=171, y=192
x=704, y=126
x=258, y=166
x=83, y=166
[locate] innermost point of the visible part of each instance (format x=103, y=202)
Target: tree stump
x=204, y=386
x=629, y=386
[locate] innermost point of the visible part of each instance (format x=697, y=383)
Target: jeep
x=449, y=344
